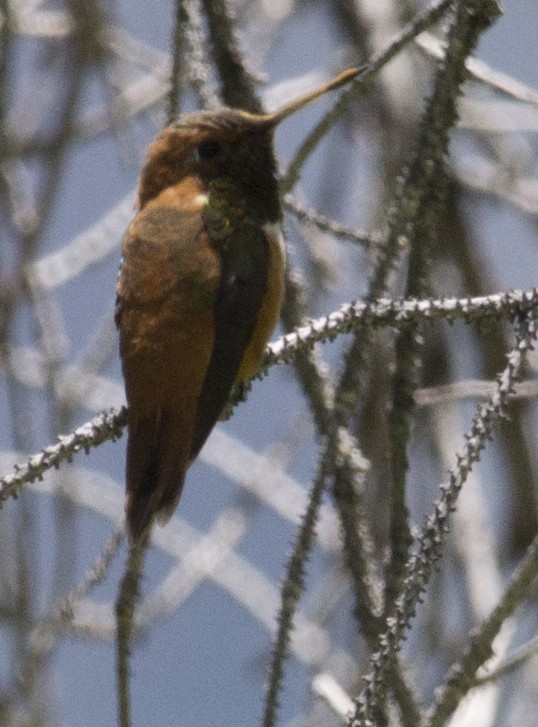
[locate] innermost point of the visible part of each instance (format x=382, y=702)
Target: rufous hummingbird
x=199, y=290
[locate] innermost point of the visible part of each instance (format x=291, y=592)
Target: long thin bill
x=276, y=117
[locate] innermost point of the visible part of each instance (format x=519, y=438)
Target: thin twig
x=462, y=676
x=325, y=224
x=291, y=590
x=128, y=597
x=420, y=22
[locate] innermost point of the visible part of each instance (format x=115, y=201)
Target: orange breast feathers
x=270, y=307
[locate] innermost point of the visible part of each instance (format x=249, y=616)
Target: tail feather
x=158, y=450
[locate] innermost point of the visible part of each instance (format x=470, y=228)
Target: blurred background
x=84, y=87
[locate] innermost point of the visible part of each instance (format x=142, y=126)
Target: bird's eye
x=208, y=149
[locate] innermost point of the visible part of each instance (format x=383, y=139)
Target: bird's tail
x=158, y=450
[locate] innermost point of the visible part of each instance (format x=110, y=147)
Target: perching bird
x=199, y=290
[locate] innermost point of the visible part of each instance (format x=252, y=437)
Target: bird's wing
x=167, y=290
x=238, y=305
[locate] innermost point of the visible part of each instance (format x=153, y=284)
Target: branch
x=382, y=313
x=398, y=314
x=423, y=20
x=432, y=537
x=105, y=426
x=462, y=676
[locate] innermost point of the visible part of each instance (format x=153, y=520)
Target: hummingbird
x=199, y=290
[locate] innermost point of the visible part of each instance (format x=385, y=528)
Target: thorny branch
x=384, y=313
x=430, y=540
